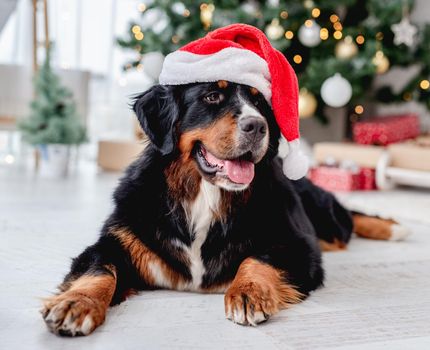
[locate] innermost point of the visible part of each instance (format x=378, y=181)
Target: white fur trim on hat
x=295, y=162
x=233, y=64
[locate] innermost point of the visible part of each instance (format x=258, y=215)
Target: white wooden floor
x=377, y=294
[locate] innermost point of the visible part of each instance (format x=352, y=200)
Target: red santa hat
x=242, y=54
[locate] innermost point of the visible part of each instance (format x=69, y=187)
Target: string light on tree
x=309, y=33
x=316, y=12
x=283, y=15
x=359, y=109
x=297, y=59
x=360, y=39
x=381, y=62
x=337, y=26
x=307, y=104
x=135, y=29
x=334, y=18
x=274, y=30
x=336, y=91
x=324, y=34
x=206, y=15
x=346, y=49
x=141, y=7
x=289, y=35
x=337, y=35
x=424, y=84
x=139, y=36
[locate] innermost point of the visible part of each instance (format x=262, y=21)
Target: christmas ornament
x=346, y=48
x=274, y=30
x=178, y=8
x=250, y=7
x=336, y=91
x=307, y=104
x=152, y=64
x=206, y=14
x=404, y=32
x=309, y=4
x=243, y=54
x=309, y=33
x=381, y=62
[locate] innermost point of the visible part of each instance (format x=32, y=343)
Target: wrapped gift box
x=413, y=154
x=386, y=130
x=114, y=155
x=341, y=180
x=365, y=156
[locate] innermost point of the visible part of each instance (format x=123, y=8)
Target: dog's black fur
x=278, y=222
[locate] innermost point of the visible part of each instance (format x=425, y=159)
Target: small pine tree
x=53, y=117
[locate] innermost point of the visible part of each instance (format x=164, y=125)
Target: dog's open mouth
x=239, y=170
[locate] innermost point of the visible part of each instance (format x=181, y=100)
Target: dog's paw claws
x=71, y=316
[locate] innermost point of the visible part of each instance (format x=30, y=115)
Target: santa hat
x=242, y=54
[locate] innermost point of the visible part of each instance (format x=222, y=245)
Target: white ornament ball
x=309, y=33
x=274, y=30
x=152, y=64
x=336, y=91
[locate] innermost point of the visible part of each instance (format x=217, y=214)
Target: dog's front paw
x=72, y=314
x=249, y=303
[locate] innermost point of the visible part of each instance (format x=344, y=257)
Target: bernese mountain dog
x=207, y=208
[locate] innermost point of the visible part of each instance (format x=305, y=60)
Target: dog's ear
x=157, y=112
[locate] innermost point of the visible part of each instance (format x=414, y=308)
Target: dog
x=207, y=208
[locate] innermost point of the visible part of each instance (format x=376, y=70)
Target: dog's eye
x=214, y=97
x=256, y=102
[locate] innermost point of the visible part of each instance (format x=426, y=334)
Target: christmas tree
x=337, y=47
x=53, y=117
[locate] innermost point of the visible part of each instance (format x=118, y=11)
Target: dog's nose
x=253, y=127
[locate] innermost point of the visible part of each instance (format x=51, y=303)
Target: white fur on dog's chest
x=200, y=217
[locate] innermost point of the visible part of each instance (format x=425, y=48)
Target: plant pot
x=54, y=160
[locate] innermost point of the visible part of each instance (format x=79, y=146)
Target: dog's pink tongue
x=238, y=171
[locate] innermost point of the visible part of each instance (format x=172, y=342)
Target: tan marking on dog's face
x=152, y=269
x=258, y=291
x=82, y=306
x=222, y=84
x=254, y=91
x=220, y=138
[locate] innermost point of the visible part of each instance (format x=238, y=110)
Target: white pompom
x=295, y=163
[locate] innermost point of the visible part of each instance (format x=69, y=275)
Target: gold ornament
x=307, y=104
x=346, y=48
x=206, y=14
x=381, y=62
x=274, y=30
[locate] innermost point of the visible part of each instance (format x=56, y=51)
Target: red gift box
x=339, y=179
x=386, y=130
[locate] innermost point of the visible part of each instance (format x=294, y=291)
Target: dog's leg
x=97, y=276
x=257, y=292
x=377, y=228
x=83, y=305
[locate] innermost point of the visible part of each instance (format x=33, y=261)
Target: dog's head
x=224, y=128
